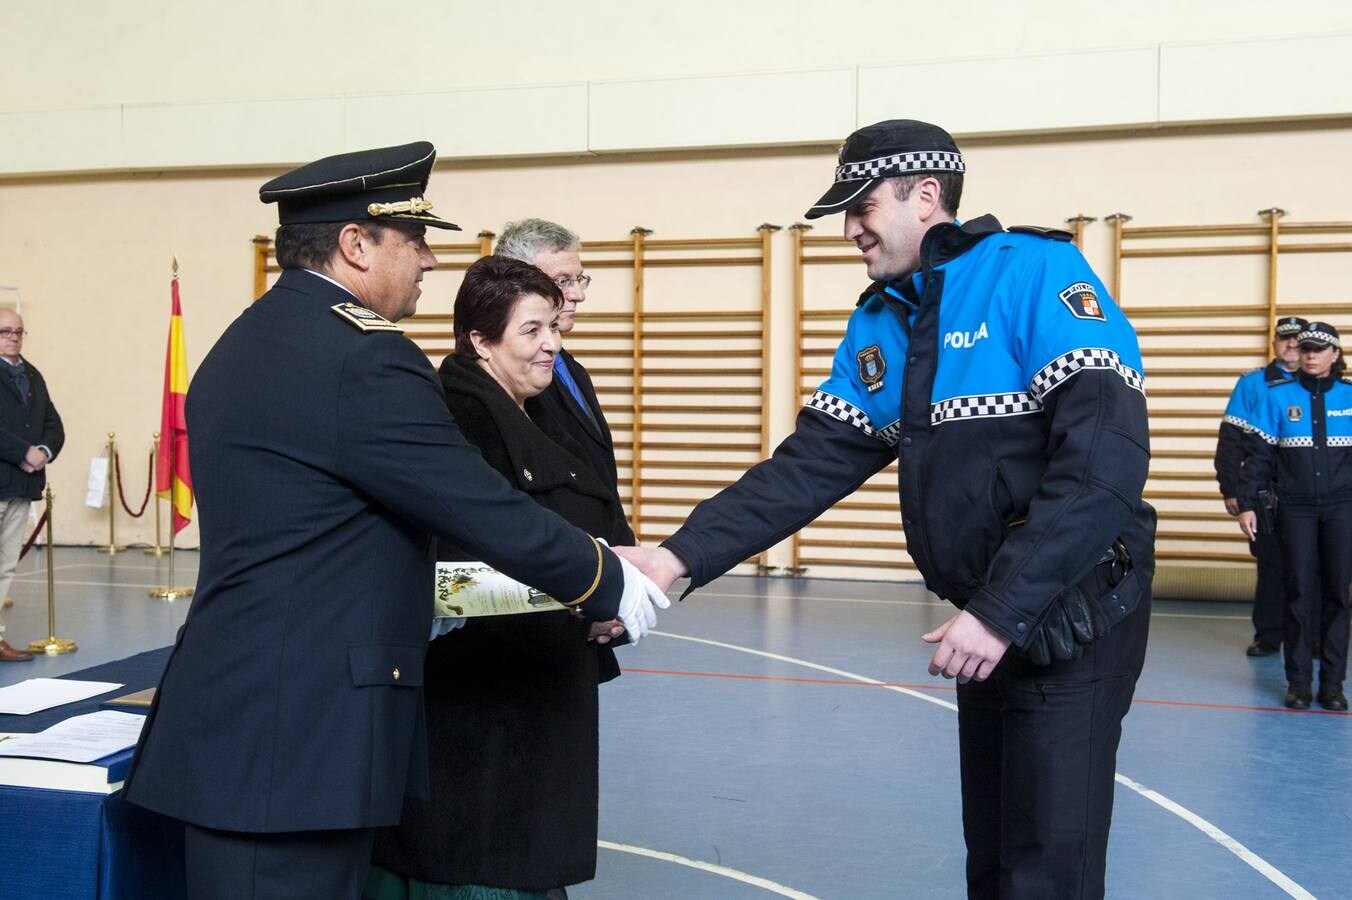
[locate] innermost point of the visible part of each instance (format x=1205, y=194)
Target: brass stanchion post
x=171, y=593
x=112, y=546
x=53, y=644
x=155, y=550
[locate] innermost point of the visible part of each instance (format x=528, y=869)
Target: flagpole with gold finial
x=171, y=593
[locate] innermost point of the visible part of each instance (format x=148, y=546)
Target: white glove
x=445, y=625
x=637, y=602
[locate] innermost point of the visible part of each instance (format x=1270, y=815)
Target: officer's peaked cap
x=1290, y=326
x=382, y=185
x=1320, y=335
x=886, y=150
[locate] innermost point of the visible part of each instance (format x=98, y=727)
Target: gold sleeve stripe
x=600, y=565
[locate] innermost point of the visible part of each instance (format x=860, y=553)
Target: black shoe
x=1331, y=696
x=1297, y=697
x=1261, y=648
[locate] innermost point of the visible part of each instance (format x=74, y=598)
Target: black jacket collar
x=1317, y=385
x=942, y=243
x=1275, y=374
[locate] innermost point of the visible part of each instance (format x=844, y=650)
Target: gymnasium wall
x=124, y=143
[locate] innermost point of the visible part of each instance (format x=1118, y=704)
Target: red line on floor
x=939, y=688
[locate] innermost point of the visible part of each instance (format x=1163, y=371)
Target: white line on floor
x=1253, y=860
x=934, y=603
x=1262, y=866
x=182, y=582
x=713, y=868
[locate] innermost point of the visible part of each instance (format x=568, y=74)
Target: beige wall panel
x=476, y=123
x=1278, y=78
x=61, y=55
x=95, y=281
x=232, y=134
x=60, y=140
x=1010, y=94
x=784, y=108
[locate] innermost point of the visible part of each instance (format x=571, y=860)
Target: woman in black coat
x=512, y=713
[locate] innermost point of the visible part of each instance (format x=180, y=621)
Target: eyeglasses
x=582, y=281
x=17, y=332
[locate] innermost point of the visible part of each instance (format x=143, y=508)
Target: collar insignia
x=364, y=318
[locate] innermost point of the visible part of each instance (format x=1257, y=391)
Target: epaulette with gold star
x=364, y=318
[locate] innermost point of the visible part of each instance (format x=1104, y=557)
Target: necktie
x=570, y=384
x=20, y=381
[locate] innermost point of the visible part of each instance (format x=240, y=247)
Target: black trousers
x=302, y=865
x=1039, y=752
x=1269, y=594
x=1317, y=541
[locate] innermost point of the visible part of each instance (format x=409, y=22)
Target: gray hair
x=525, y=239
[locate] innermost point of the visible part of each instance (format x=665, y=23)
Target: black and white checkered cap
x=1289, y=326
x=886, y=150
x=1320, y=335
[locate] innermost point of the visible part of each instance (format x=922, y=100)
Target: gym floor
x=781, y=737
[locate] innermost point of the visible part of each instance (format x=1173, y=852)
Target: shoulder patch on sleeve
x=1082, y=301
x=363, y=318
x=1054, y=234
x=872, y=366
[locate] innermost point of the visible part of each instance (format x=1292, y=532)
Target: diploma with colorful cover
x=469, y=589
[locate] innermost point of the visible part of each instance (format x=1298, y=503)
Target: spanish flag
x=173, y=481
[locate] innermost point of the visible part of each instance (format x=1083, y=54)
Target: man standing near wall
x=1266, y=547
x=1016, y=410
x=30, y=437
x=571, y=397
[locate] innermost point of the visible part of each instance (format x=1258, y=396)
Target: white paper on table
x=37, y=694
x=80, y=739
x=96, y=495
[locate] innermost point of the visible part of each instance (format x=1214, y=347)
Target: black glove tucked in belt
x=1075, y=617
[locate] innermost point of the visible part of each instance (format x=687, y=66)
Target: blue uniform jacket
x=1301, y=434
x=1009, y=387
x=325, y=462
x=1230, y=448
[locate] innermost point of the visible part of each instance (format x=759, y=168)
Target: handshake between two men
x=967, y=647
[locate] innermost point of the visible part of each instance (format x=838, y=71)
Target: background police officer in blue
x=1266, y=548
x=1302, y=434
x=994, y=366
x=288, y=724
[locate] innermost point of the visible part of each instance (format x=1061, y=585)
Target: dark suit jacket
x=22, y=427
x=592, y=434
x=324, y=461
x=512, y=700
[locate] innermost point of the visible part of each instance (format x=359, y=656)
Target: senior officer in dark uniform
x=288, y=724
x=1250, y=391
x=1017, y=412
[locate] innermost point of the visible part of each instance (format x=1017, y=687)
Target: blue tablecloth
x=68, y=845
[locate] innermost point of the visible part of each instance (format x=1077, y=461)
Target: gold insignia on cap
x=365, y=319
x=417, y=206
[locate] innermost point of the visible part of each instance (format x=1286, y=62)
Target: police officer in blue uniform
x=1266, y=548
x=288, y=724
x=1302, y=434
x=993, y=365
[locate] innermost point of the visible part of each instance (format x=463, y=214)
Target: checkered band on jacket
x=1018, y=404
x=1063, y=367
x=852, y=415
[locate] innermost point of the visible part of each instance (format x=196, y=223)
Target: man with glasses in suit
x=30, y=437
x=571, y=398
